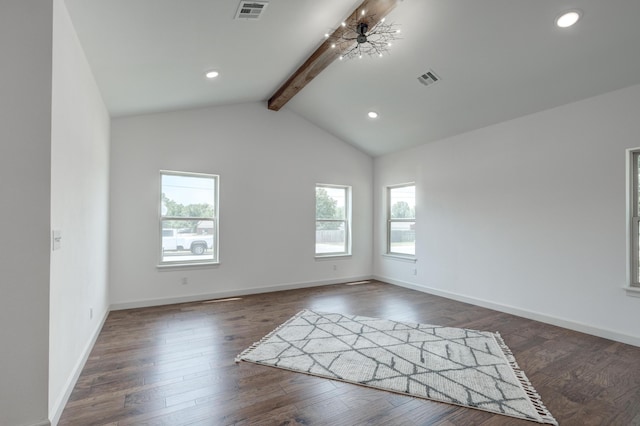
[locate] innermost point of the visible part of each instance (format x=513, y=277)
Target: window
x=188, y=218
x=634, y=215
x=401, y=220
x=333, y=217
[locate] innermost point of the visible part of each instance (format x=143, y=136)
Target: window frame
x=347, y=221
x=215, y=219
x=391, y=220
x=633, y=222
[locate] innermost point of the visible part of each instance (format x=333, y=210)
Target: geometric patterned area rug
x=453, y=365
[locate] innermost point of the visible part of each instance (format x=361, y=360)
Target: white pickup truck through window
x=188, y=218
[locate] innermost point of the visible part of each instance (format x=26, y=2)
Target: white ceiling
x=497, y=59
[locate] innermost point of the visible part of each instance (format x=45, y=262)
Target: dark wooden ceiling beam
x=325, y=55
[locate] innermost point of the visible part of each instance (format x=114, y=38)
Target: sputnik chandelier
x=371, y=37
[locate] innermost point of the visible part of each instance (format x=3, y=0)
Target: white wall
x=527, y=216
x=79, y=209
x=25, y=139
x=268, y=164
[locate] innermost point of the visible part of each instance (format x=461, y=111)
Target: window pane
x=188, y=240
x=637, y=158
x=636, y=247
x=330, y=237
x=188, y=196
x=333, y=220
x=331, y=203
x=402, y=202
x=402, y=238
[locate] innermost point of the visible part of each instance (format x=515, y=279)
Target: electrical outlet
x=415, y=271
x=56, y=239
x=90, y=313
x=184, y=281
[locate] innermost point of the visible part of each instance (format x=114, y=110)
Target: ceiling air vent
x=251, y=9
x=429, y=78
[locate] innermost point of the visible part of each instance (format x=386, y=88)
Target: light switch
x=56, y=239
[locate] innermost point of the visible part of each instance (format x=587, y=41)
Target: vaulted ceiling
x=496, y=59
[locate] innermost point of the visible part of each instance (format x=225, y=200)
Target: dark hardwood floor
x=174, y=365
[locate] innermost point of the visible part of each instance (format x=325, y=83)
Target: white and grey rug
x=458, y=366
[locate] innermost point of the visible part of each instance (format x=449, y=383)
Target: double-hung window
x=188, y=218
x=401, y=220
x=634, y=217
x=333, y=220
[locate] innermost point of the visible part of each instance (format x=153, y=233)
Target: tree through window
x=401, y=220
x=188, y=218
x=333, y=216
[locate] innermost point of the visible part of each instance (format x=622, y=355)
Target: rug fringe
x=534, y=397
x=268, y=336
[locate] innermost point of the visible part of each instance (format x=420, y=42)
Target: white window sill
x=165, y=267
x=332, y=256
x=399, y=257
x=632, y=291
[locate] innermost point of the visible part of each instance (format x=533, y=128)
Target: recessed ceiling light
x=568, y=18
x=212, y=74
x=372, y=114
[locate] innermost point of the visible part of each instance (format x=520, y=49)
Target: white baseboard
x=230, y=293
x=56, y=411
x=560, y=322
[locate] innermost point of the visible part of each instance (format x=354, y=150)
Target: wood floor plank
x=174, y=365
